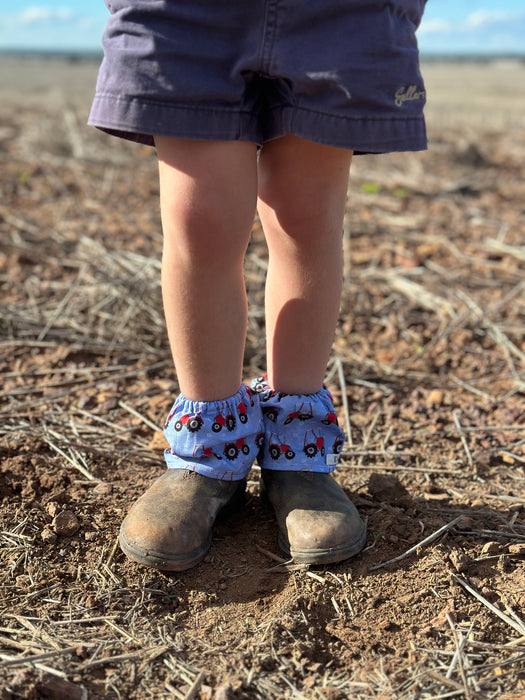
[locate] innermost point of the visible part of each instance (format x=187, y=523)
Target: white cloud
x=40, y=14
x=435, y=26
x=482, y=19
x=480, y=31
x=42, y=26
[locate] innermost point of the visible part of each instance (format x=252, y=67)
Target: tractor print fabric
x=301, y=432
x=219, y=439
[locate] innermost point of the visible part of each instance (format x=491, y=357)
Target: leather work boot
x=170, y=526
x=317, y=522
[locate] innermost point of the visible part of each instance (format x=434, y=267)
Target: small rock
x=224, y=692
x=59, y=689
x=48, y=536
x=386, y=487
x=459, y=560
x=66, y=523
x=206, y=692
x=491, y=548
x=517, y=548
x=103, y=489
x=441, y=496
x=52, y=508
x=435, y=397
x=481, y=458
x=488, y=593
x=90, y=536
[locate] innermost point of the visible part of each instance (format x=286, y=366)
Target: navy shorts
x=340, y=72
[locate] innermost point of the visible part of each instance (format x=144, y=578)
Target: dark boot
x=170, y=526
x=318, y=524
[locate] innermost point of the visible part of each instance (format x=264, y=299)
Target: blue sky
x=449, y=26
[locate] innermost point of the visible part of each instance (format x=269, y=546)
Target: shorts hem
x=141, y=119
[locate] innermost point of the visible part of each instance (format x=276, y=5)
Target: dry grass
x=429, y=377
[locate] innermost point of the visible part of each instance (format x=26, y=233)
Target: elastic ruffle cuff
x=301, y=431
x=218, y=439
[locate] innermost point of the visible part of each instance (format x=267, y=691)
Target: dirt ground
x=427, y=373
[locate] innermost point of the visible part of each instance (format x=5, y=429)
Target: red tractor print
x=200, y=452
x=301, y=414
x=192, y=423
x=231, y=449
x=222, y=420
x=313, y=444
x=270, y=412
x=330, y=419
x=277, y=448
x=242, y=410
x=337, y=446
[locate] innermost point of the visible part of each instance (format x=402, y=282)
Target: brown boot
x=170, y=526
x=318, y=524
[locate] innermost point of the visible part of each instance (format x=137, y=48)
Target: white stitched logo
x=408, y=94
x=332, y=459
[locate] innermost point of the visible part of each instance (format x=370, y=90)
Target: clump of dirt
x=427, y=375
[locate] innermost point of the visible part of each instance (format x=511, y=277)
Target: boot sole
x=329, y=555
x=157, y=560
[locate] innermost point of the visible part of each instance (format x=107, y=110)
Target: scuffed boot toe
x=317, y=522
x=170, y=526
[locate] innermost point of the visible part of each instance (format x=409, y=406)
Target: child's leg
x=208, y=196
x=302, y=195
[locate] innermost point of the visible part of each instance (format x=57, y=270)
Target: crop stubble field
x=427, y=373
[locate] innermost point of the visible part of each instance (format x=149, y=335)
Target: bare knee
x=201, y=231
x=302, y=189
x=208, y=195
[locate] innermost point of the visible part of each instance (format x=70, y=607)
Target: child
x=257, y=104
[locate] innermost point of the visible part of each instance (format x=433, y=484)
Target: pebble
x=491, y=548
x=435, y=397
x=459, y=560
x=224, y=692
x=66, y=523
x=52, y=508
x=103, y=489
x=386, y=487
x=517, y=548
x=48, y=536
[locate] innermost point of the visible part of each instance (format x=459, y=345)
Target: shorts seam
x=166, y=105
x=363, y=117
x=240, y=110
